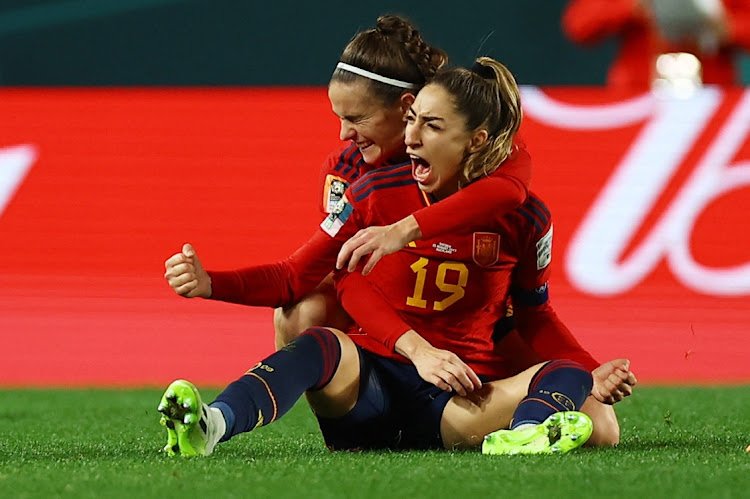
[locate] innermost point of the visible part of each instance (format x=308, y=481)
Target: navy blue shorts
x=396, y=409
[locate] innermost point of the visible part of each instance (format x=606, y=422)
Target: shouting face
x=437, y=140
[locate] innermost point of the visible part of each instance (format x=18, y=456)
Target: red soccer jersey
x=340, y=169
x=286, y=282
x=529, y=306
x=448, y=288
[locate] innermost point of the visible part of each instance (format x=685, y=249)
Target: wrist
x=409, y=344
x=408, y=229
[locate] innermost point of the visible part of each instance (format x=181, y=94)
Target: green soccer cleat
x=561, y=432
x=188, y=421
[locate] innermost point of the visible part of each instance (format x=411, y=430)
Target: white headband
x=375, y=76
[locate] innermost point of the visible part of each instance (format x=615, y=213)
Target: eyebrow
x=349, y=117
x=427, y=118
x=353, y=117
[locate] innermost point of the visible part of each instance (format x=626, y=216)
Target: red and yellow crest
x=486, y=248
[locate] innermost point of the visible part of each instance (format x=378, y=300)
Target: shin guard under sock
x=271, y=388
x=560, y=385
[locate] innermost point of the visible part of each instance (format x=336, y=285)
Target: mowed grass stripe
x=676, y=442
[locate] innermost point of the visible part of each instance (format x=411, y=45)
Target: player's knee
x=318, y=309
x=607, y=435
x=289, y=322
x=339, y=392
x=284, y=330
x=606, y=429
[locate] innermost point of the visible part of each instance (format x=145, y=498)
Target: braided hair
x=395, y=49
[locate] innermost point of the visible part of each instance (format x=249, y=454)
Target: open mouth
x=420, y=169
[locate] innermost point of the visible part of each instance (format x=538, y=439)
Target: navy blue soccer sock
x=560, y=385
x=270, y=389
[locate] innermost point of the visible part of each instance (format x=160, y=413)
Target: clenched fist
x=613, y=381
x=185, y=274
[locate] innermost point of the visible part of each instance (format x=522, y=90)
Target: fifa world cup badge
x=340, y=213
x=333, y=192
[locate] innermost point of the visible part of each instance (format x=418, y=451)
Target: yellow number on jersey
x=415, y=300
x=457, y=290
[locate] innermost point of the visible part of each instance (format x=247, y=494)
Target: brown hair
x=488, y=97
x=394, y=49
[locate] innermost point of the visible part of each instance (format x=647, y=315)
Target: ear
x=478, y=138
x=405, y=102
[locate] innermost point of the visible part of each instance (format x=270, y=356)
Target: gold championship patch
x=486, y=248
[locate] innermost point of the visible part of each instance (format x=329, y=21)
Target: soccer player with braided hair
x=371, y=91
x=379, y=73
x=434, y=379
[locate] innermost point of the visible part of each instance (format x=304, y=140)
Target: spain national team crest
x=486, y=248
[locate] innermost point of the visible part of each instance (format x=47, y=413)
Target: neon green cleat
x=190, y=429
x=561, y=432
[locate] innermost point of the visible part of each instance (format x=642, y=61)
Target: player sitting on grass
x=436, y=384
x=371, y=90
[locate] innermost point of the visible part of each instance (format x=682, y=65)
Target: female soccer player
x=379, y=73
x=371, y=91
x=397, y=390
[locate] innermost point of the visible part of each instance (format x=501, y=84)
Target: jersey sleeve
x=361, y=300
x=339, y=170
x=369, y=308
x=481, y=201
x=364, y=303
x=529, y=286
x=282, y=283
x=548, y=336
x=286, y=282
x=535, y=319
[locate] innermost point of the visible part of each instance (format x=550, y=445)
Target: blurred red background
x=112, y=182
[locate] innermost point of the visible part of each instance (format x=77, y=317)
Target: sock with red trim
x=560, y=385
x=270, y=389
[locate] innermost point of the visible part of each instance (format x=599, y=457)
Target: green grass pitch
x=676, y=442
